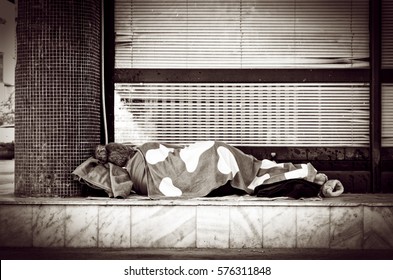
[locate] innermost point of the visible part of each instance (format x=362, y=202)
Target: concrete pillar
x=57, y=94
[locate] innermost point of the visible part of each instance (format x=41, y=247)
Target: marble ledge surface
x=196, y=226
x=351, y=200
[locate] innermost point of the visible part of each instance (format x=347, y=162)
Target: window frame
x=368, y=163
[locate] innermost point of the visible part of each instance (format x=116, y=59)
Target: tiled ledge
x=362, y=221
x=350, y=200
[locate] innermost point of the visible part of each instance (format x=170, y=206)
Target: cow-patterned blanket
x=192, y=171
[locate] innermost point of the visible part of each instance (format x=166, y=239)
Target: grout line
x=130, y=226
x=363, y=228
x=31, y=226
x=196, y=226
x=229, y=226
x=98, y=226
x=262, y=220
x=330, y=228
x=296, y=228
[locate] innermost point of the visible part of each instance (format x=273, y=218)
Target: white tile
x=313, y=229
x=48, y=226
x=245, y=227
x=213, y=227
x=81, y=226
x=163, y=226
x=346, y=227
x=279, y=227
x=378, y=228
x=114, y=229
x=16, y=225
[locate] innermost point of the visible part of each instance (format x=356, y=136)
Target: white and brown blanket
x=161, y=170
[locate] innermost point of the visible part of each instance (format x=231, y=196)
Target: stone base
x=351, y=221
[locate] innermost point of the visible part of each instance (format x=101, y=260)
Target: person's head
x=101, y=154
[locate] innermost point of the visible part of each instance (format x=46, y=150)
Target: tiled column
x=57, y=95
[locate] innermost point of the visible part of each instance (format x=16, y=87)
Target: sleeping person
x=159, y=170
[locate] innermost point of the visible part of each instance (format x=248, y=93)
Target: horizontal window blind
x=387, y=115
x=243, y=114
x=387, y=33
x=241, y=34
